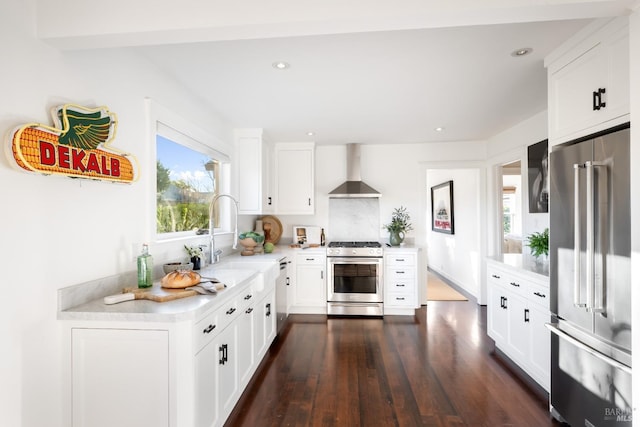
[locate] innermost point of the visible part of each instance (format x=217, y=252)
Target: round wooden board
x=274, y=227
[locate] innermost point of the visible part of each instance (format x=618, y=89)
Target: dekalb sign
x=78, y=146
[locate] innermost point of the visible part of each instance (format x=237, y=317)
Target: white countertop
x=237, y=272
x=524, y=263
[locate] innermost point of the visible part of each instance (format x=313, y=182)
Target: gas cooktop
x=355, y=245
x=352, y=249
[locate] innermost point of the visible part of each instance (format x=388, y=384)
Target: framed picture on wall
x=442, y=207
x=537, y=174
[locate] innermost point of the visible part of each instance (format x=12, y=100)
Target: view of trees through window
x=186, y=181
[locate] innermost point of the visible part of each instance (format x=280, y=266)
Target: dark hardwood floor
x=435, y=369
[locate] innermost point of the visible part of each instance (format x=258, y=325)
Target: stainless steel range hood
x=353, y=187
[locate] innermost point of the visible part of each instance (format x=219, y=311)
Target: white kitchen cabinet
x=295, y=178
x=174, y=369
x=517, y=309
x=308, y=284
x=588, y=77
x=254, y=172
x=400, y=282
x=131, y=367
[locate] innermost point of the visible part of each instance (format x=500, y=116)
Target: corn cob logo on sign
x=78, y=146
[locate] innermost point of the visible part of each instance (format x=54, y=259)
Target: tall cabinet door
x=295, y=178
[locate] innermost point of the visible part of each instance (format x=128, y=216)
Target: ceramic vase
x=396, y=237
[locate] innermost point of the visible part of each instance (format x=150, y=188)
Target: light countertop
x=524, y=263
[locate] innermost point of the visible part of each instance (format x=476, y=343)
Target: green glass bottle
x=145, y=268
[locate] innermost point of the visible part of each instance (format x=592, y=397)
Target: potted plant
x=398, y=226
x=538, y=242
x=195, y=254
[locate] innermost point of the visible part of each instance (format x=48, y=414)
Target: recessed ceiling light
x=280, y=65
x=521, y=52
x=310, y=133
x=439, y=129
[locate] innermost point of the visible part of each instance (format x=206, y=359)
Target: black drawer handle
x=269, y=198
x=538, y=294
x=400, y=260
x=517, y=285
x=231, y=311
x=248, y=297
x=208, y=329
x=400, y=298
x=268, y=307
x=495, y=276
x=526, y=315
x=249, y=310
x=597, y=99
x=400, y=285
x=310, y=259
x=399, y=272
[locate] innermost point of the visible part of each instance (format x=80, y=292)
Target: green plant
x=399, y=221
x=193, y=251
x=539, y=243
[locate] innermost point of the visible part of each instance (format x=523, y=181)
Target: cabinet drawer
x=400, y=273
x=311, y=260
x=496, y=276
x=538, y=295
x=401, y=260
x=400, y=286
x=400, y=300
x=206, y=329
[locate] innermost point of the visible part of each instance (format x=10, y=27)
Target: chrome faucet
x=214, y=255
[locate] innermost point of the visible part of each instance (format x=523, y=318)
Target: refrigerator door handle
x=577, y=226
x=553, y=328
x=590, y=238
x=592, y=306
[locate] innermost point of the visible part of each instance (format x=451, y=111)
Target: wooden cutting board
x=159, y=294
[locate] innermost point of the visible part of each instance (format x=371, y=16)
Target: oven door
x=354, y=279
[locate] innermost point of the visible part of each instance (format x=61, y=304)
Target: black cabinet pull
x=400, y=285
x=538, y=294
x=505, y=303
x=226, y=354
x=268, y=307
x=597, y=99
x=248, y=297
x=399, y=272
x=222, y=352
x=501, y=302
x=231, y=311
x=495, y=276
x=208, y=329
x=400, y=260
x=400, y=298
x=288, y=281
x=249, y=310
x=526, y=315
x=269, y=201
x=309, y=201
x=517, y=285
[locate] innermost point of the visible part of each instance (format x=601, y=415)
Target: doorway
x=511, y=189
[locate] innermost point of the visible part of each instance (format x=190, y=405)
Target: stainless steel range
x=354, y=278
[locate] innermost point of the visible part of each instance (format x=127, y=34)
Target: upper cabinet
x=273, y=178
x=294, y=178
x=254, y=172
x=589, y=81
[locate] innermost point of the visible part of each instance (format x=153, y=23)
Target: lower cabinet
x=401, y=281
x=517, y=310
x=309, y=282
x=130, y=367
x=180, y=374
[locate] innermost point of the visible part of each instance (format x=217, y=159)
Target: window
x=188, y=176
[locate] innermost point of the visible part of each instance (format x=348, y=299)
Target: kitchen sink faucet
x=214, y=255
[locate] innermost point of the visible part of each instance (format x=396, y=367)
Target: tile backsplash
x=354, y=219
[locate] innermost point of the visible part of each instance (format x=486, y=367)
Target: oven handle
x=354, y=260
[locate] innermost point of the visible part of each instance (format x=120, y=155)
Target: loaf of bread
x=180, y=279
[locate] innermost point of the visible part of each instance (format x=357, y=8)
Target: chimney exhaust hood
x=353, y=187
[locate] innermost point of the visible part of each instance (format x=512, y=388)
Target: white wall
x=54, y=231
x=458, y=256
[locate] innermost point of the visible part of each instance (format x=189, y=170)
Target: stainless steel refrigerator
x=590, y=273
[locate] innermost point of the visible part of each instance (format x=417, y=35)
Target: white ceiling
x=383, y=73
x=377, y=87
